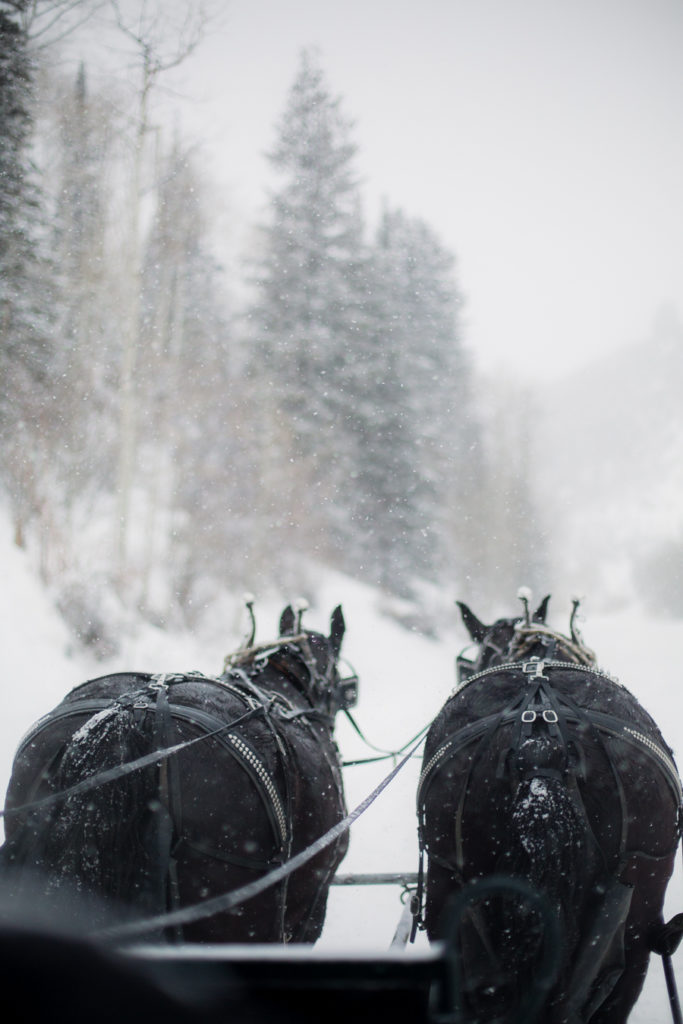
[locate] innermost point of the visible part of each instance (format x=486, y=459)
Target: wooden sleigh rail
x=381, y=878
x=304, y=985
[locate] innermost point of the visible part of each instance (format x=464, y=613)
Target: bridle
x=487, y=650
x=526, y=638
x=293, y=658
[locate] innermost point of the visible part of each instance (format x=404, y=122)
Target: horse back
x=248, y=784
x=616, y=758
x=591, y=780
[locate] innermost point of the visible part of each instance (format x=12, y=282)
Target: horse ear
x=287, y=621
x=475, y=628
x=337, y=629
x=542, y=610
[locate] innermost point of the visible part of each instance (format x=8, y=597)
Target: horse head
x=494, y=641
x=521, y=638
x=319, y=654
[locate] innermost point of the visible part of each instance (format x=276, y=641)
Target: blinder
x=347, y=690
x=343, y=692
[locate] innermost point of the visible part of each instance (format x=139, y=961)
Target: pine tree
x=22, y=318
x=367, y=388
x=423, y=458
x=509, y=512
x=311, y=292
x=25, y=287
x=383, y=481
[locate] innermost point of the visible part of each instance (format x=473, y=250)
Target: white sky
x=542, y=139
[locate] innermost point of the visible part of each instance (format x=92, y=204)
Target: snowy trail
x=404, y=679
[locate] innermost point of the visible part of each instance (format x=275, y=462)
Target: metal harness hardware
x=548, y=715
x=268, y=784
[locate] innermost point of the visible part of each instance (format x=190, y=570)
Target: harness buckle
x=534, y=668
x=547, y=714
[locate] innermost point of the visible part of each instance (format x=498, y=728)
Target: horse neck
x=277, y=681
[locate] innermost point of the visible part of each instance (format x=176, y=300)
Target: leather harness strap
x=147, y=699
x=558, y=712
x=604, y=723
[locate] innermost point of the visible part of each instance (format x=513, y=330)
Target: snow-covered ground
x=404, y=679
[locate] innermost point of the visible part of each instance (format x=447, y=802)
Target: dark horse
x=248, y=775
x=544, y=769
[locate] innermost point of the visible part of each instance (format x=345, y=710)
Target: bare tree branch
x=164, y=41
x=47, y=22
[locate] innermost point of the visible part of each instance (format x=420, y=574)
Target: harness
x=543, y=703
x=154, y=697
x=537, y=705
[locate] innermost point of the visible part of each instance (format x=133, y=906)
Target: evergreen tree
x=384, y=479
x=424, y=460
x=509, y=513
x=25, y=287
x=22, y=318
x=367, y=386
x=73, y=444
x=310, y=313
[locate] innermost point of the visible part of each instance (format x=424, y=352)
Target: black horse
x=248, y=775
x=543, y=769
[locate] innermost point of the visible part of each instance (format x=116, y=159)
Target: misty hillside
x=609, y=466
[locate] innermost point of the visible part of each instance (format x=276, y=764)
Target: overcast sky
x=542, y=139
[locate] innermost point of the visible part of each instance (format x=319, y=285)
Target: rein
x=341, y=693
x=384, y=754
x=229, y=900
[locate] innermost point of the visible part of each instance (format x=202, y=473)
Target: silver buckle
x=535, y=666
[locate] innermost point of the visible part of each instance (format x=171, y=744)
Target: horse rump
x=548, y=850
x=549, y=834
x=98, y=844
x=509, y=811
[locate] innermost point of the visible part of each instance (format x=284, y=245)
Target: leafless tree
x=161, y=38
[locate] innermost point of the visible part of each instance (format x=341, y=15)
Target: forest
x=169, y=427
